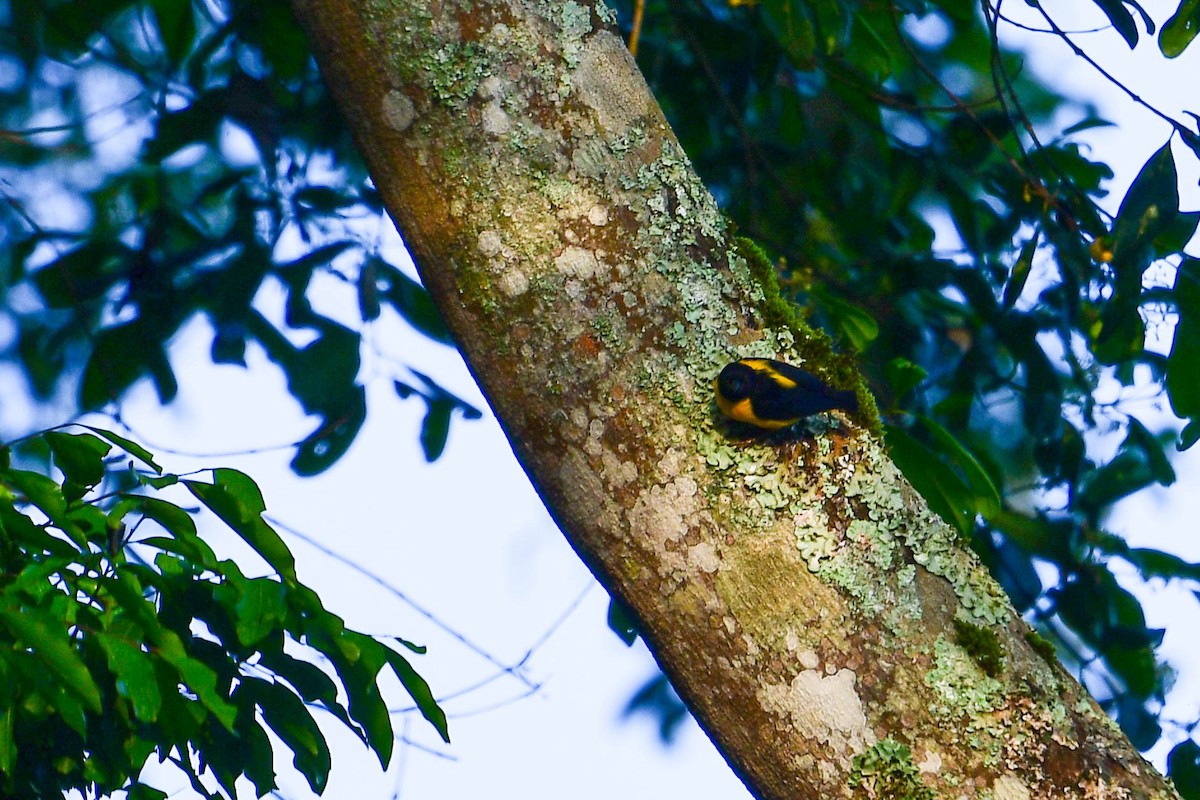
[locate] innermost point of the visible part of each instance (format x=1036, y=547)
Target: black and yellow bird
x=773, y=395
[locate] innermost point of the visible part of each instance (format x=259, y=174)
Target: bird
x=772, y=395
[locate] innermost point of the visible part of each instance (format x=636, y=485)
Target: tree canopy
x=167, y=160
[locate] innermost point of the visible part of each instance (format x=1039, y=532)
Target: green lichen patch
x=886, y=771
x=960, y=688
x=982, y=644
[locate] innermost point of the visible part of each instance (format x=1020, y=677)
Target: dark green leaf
x=987, y=496
x=410, y=299
x=235, y=498
x=133, y=448
x=1189, y=436
x=1020, y=271
x=333, y=438
x=1180, y=29
x=323, y=199
x=135, y=675
x=435, y=428
x=358, y=659
x=620, y=623
x=1150, y=206
x=312, y=684
x=140, y=791
x=79, y=456
x=291, y=720
x=1139, y=725
x=945, y=492
x=1183, y=379
x=1121, y=19
x=199, y=677
x=49, y=643
x=368, y=291
x=177, y=27
x=120, y=356
x=418, y=689
x=1183, y=767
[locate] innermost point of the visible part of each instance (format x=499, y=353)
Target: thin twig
x=375, y=578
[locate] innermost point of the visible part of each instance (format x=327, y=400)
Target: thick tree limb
x=799, y=594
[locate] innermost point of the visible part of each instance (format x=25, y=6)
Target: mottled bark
x=799, y=594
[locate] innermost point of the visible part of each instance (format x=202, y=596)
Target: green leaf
x=311, y=682
x=48, y=497
x=418, y=689
x=1180, y=29
x=176, y=25
x=947, y=494
x=986, y=495
x=133, y=448
x=1149, y=207
x=199, y=677
x=80, y=456
x=140, y=791
x=789, y=22
x=134, y=671
x=1020, y=271
x=1183, y=378
x=357, y=659
x=259, y=610
x=182, y=528
x=858, y=326
x=158, y=483
x=8, y=745
x=291, y=720
x=49, y=643
x=235, y=498
x=904, y=376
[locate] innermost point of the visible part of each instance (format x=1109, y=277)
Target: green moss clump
x=1042, y=646
x=982, y=644
x=840, y=369
x=886, y=770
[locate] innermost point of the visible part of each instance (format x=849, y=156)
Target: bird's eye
x=733, y=386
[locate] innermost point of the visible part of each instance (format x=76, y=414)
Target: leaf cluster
x=244, y=186
x=124, y=637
